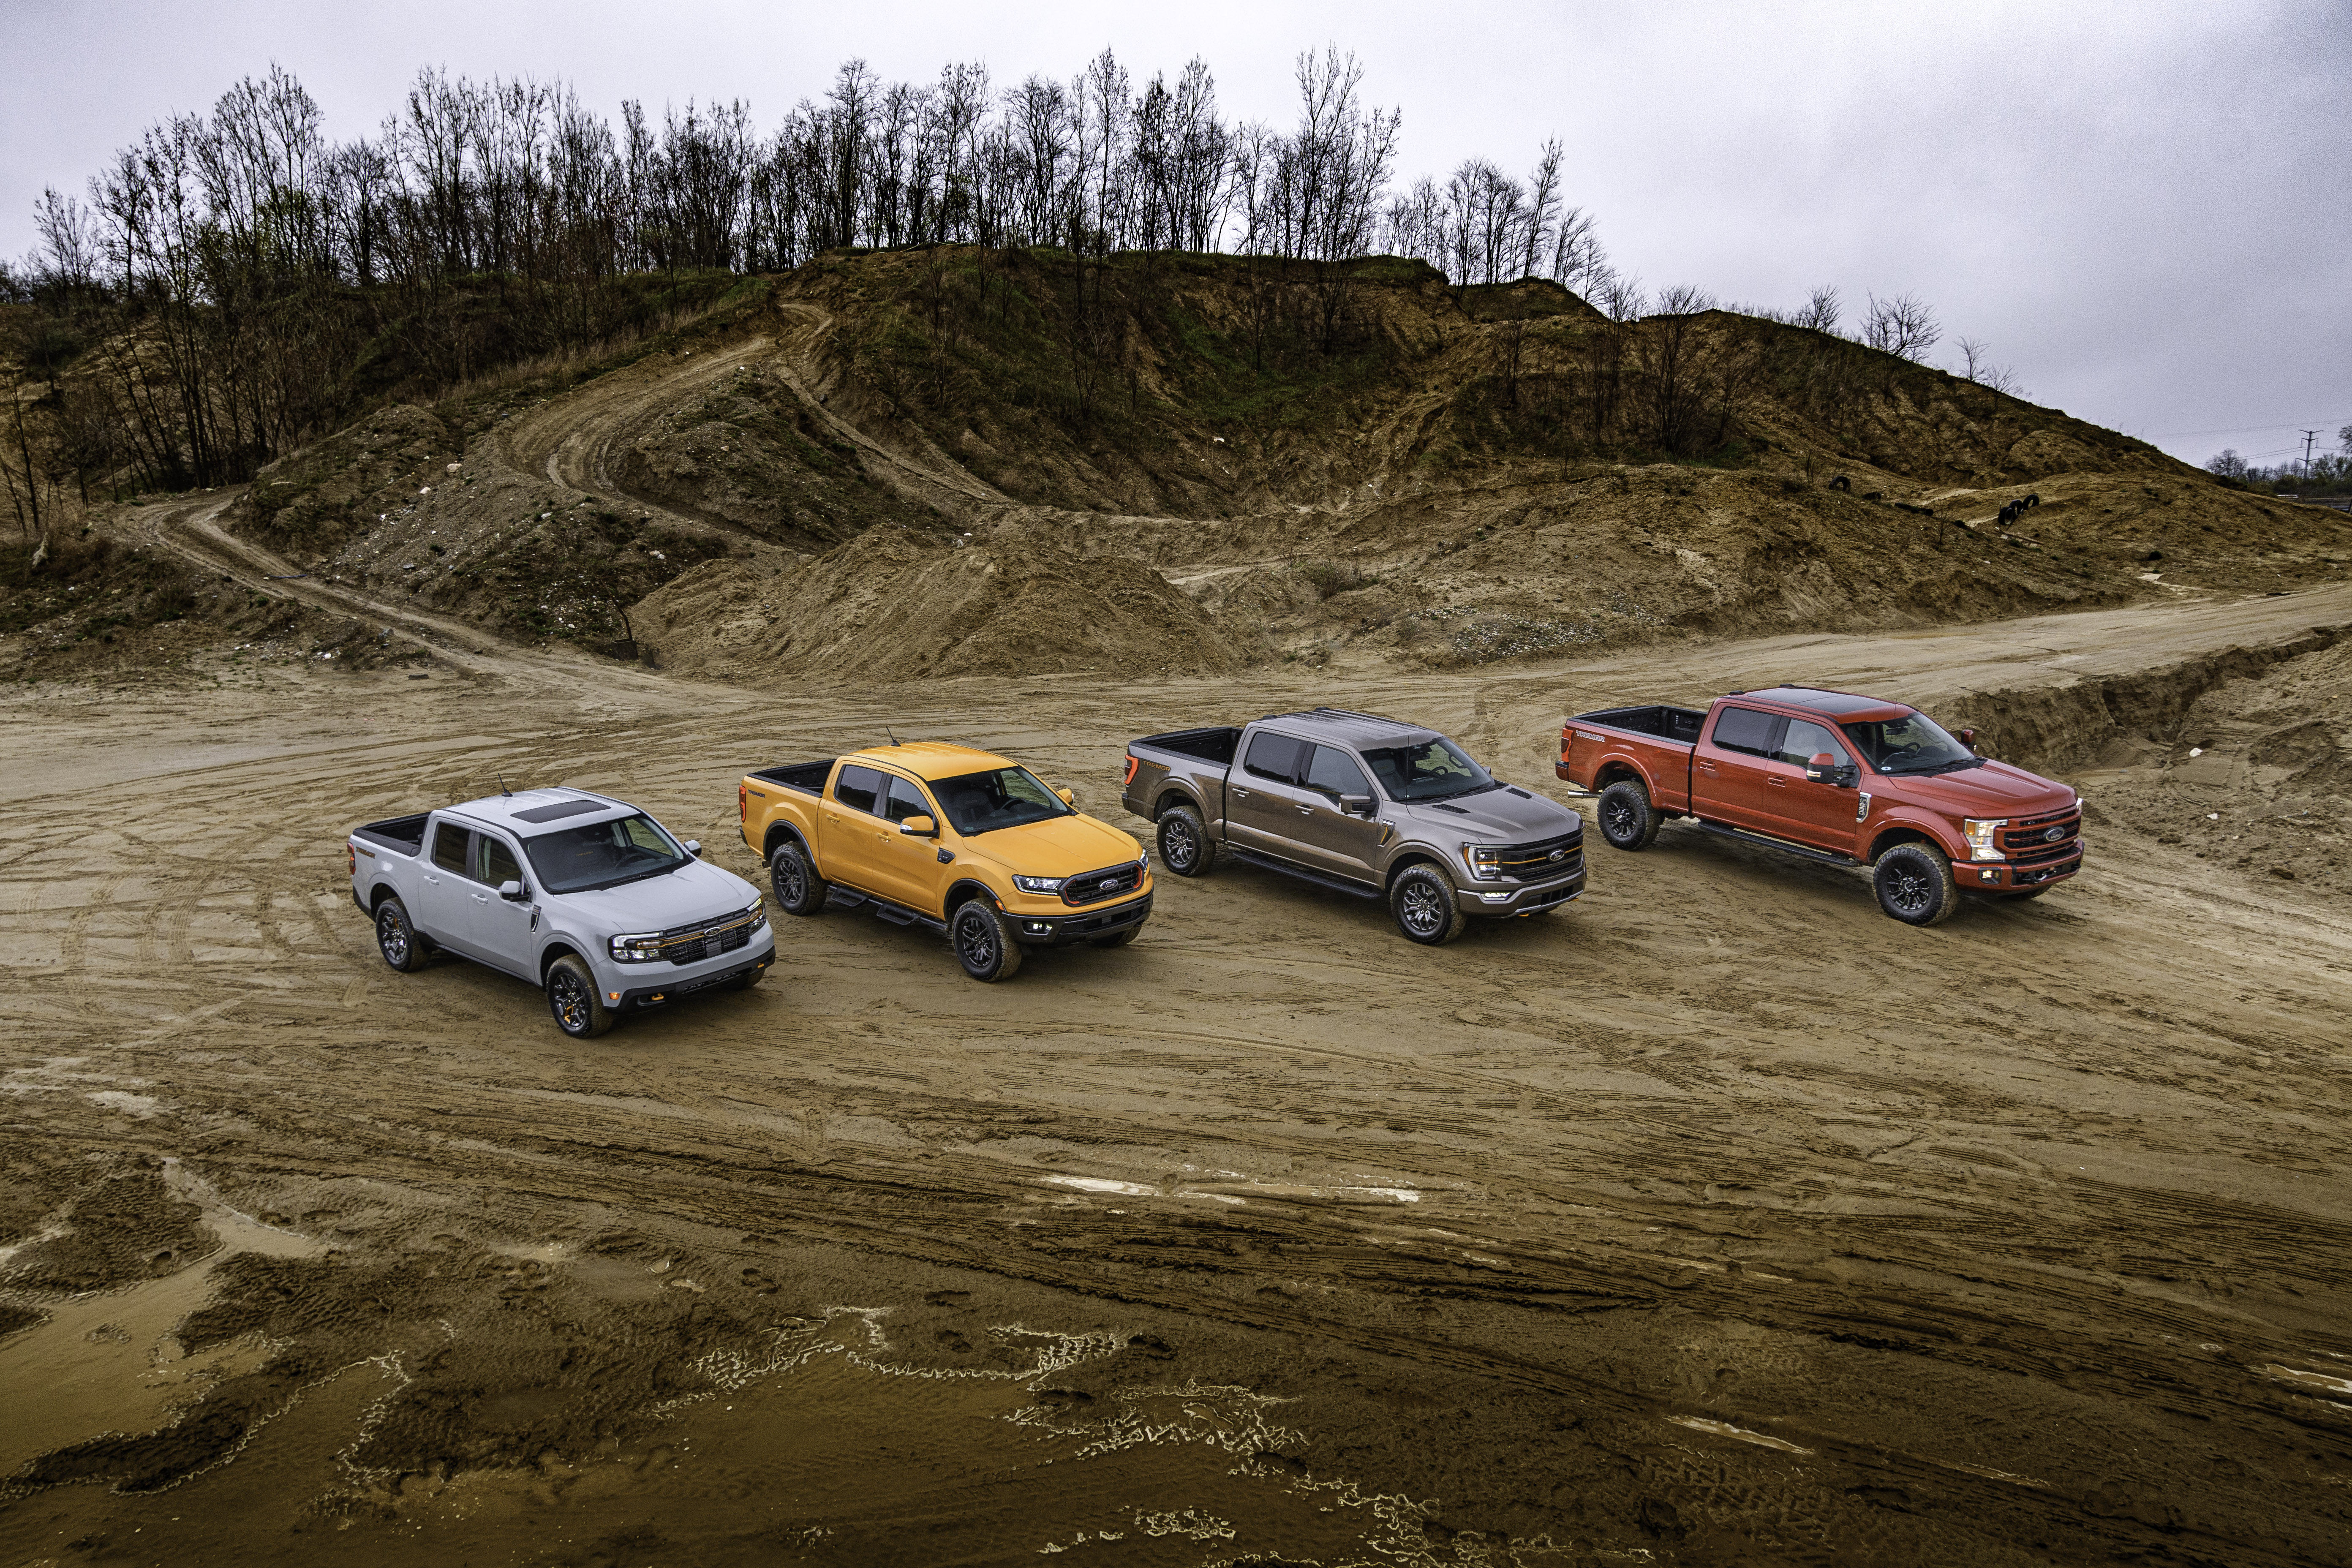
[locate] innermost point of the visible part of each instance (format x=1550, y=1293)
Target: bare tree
x=1903, y=326
x=1821, y=309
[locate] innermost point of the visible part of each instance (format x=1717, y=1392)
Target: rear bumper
x=660, y=996
x=1061, y=931
x=1531, y=898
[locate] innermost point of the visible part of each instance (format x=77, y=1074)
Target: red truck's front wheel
x=1915, y=885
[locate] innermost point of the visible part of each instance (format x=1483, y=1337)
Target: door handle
x=1241, y=794
x=1777, y=782
x=1305, y=811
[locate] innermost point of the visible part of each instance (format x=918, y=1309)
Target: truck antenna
x=892, y=733
x=502, y=783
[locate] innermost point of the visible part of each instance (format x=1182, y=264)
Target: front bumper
x=2003, y=876
x=733, y=967
x=1061, y=931
x=1528, y=898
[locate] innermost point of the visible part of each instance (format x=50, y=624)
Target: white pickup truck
x=581, y=894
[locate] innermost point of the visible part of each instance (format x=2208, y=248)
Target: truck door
x=1809, y=811
x=1339, y=843
x=500, y=930
x=1264, y=805
x=907, y=871
x=443, y=910
x=848, y=828
x=1729, y=767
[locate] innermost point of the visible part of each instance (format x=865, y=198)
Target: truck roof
x=1350, y=728
x=928, y=760
x=528, y=811
x=1837, y=704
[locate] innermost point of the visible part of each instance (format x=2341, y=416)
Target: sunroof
x=561, y=808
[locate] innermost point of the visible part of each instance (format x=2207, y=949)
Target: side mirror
x=1356, y=805
x=1826, y=769
x=1968, y=739
x=694, y=848
x=513, y=892
x=919, y=827
x=1067, y=798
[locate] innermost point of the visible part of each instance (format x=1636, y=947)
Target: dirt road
x=1715, y=1219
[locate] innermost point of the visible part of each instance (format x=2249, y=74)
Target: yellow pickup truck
x=960, y=840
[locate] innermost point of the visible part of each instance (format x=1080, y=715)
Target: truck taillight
x=1133, y=762
x=351, y=861
x=742, y=803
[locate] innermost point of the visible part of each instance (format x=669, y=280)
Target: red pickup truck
x=1856, y=781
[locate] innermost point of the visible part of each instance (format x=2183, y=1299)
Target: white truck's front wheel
x=571, y=996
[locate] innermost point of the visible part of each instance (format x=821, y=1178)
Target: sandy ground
x=1715, y=1219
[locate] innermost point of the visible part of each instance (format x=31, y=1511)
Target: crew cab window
x=1747, y=730
x=903, y=800
x=1807, y=740
x=449, y=848
x=860, y=789
x=498, y=864
x=1272, y=756
x=1335, y=773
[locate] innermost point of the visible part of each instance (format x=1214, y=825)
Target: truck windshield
x=1426, y=770
x=604, y=855
x=1914, y=743
x=981, y=802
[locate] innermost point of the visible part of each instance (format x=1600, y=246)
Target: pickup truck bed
x=1667, y=723
x=1215, y=745
x=807, y=777
x=406, y=834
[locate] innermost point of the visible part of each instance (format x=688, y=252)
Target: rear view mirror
x=919, y=827
x=513, y=892
x=1067, y=798
x=694, y=848
x=1356, y=805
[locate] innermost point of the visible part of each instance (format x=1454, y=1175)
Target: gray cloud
x=2140, y=206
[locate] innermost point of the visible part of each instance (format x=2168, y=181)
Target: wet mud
x=1715, y=1219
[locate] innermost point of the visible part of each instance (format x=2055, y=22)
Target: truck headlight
x=1143, y=860
x=1039, y=884
x=1980, y=830
x=758, y=913
x=1485, y=860
x=642, y=948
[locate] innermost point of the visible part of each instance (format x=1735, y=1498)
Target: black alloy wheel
x=1915, y=885
x=984, y=941
x=571, y=997
x=1185, y=846
x=1628, y=820
x=397, y=939
x=799, y=889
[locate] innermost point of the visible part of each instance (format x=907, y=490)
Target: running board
x=1764, y=841
x=884, y=909
x=1337, y=884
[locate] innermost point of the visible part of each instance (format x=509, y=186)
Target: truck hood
x=1492, y=817
x=700, y=891
x=1996, y=789
x=1057, y=847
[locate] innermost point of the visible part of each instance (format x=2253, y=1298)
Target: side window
x=1335, y=773
x=859, y=789
x=498, y=866
x=1746, y=730
x=1807, y=740
x=449, y=848
x=1272, y=756
x=904, y=800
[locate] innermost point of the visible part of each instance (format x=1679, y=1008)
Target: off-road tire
x=1628, y=820
x=397, y=939
x=982, y=938
x=1116, y=938
x=793, y=878
x=572, y=998
x=1423, y=903
x=1185, y=846
x=1915, y=885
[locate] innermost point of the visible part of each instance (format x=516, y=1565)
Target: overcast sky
x=2143, y=207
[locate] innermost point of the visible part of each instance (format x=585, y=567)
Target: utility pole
x=2308, y=438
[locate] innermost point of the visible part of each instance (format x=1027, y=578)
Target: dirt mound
x=896, y=605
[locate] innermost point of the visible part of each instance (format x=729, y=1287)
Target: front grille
x=2025, y=840
x=1534, y=862
x=2041, y=853
x=1093, y=887
x=708, y=939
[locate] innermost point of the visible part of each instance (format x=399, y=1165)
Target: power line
x=2239, y=430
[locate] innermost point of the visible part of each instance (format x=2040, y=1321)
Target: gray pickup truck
x=1363, y=805
x=581, y=894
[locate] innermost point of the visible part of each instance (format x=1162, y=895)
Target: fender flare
x=1169, y=789
x=779, y=832
x=1906, y=824
x=1616, y=764
x=962, y=891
